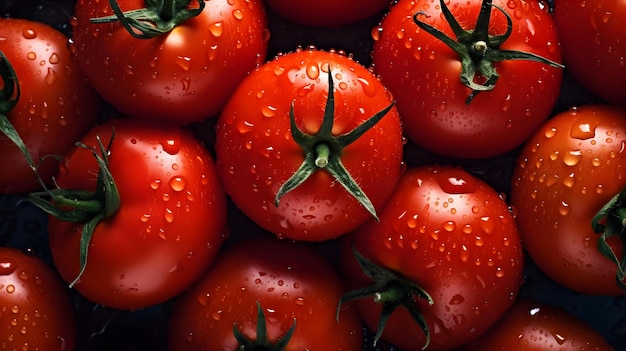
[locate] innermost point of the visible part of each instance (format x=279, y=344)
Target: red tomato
x=55, y=107
x=36, y=312
x=293, y=285
x=444, y=233
x=184, y=75
x=566, y=172
x=327, y=13
x=169, y=225
x=257, y=152
x=535, y=326
x=424, y=74
x=592, y=36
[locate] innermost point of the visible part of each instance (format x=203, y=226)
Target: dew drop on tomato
x=7, y=267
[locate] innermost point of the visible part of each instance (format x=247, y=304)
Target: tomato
x=36, y=311
x=55, y=106
x=502, y=101
x=535, y=326
x=183, y=75
x=261, y=156
x=447, y=249
x=169, y=225
x=294, y=287
x=327, y=13
x=566, y=172
x=592, y=36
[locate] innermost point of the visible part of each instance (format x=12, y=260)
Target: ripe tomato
x=327, y=13
x=258, y=154
x=447, y=249
x=294, y=286
x=535, y=326
x=183, y=75
x=442, y=113
x=36, y=312
x=55, y=106
x=592, y=36
x=566, y=172
x=168, y=227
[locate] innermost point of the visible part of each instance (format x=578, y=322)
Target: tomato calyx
x=479, y=51
x=611, y=221
x=262, y=343
x=392, y=291
x=156, y=18
x=323, y=151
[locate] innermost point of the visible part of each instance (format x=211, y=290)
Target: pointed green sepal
x=156, y=18
x=262, y=342
x=478, y=51
x=392, y=291
x=323, y=151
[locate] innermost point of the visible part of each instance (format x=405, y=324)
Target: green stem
x=167, y=10
x=323, y=153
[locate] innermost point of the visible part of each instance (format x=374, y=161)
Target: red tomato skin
x=36, y=311
x=327, y=13
x=183, y=76
x=566, y=172
x=289, y=279
x=170, y=224
x=535, y=326
x=423, y=74
x=56, y=106
x=256, y=153
x=458, y=242
x=592, y=36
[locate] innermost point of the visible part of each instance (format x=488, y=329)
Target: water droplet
x=449, y=226
x=169, y=215
x=560, y=339
x=464, y=253
x=10, y=288
x=499, y=272
x=299, y=301
x=505, y=105
x=184, y=62
x=456, y=300
x=29, y=33
x=54, y=58
x=564, y=208
x=377, y=32
x=31, y=55
x=549, y=133
x=171, y=146
x=217, y=29
x=572, y=157
x=177, y=183
x=238, y=14
x=312, y=71
x=583, y=131
x=7, y=267
x=269, y=111
x=51, y=76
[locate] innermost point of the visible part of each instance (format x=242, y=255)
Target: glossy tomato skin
x=451, y=234
x=56, y=105
x=170, y=224
x=37, y=312
x=423, y=73
x=256, y=153
x=566, y=172
x=183, y=76
x=536, y=326
x=592, y=36
x=327, y=13
x=289, y=280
